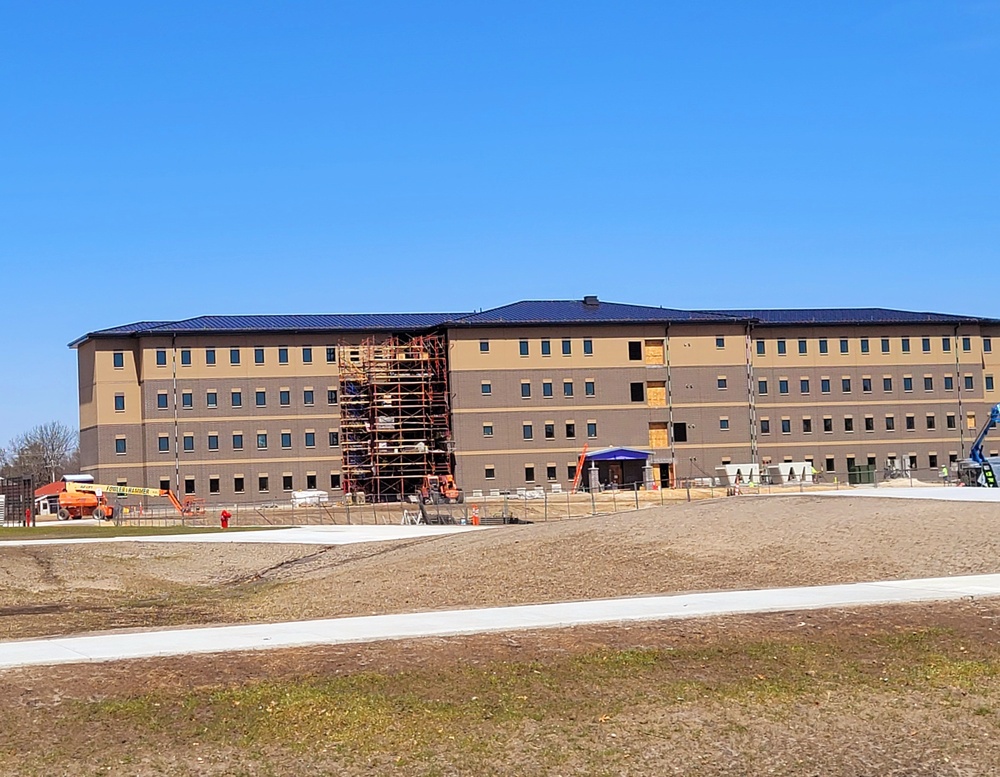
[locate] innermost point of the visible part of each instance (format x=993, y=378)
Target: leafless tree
x=44, y=453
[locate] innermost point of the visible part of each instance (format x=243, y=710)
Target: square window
x=308, y=397
x=331, y=396
x=592, y=429
x=189, y=486
x=119, y=403
x=161, y=358
x=258, y=355
x=286, y=439
x=161, y=401
x=567, y=347
x=637, y=392
x=260, y=398
x=635, y=351
x=720, y=383
x=523, y=347
x=527, y=432
x=487, y=430
x=550, y=431
x=120, y=445
x=211, y=399
x=262, y=441
x=720, y=342
x=567, y=388
x=234, y=356
x=487, y=389
x=589, y=388
x=885, y=345
x=782, y=350
x=282, y=356
x=187, y=400
x=213, y=442
x=547, y=388
x=489, y=473
x=546, y=348
x=310, y=439
x=724, y=423
x=525, y=390
x=761, y=348
x=762, y=387
x=334, y=439
x=237, y=442
x=284, y=398
x=824, y=346
x=237, y=399
x=484, y=346
x=210, y=357
x=570, y=430
x=803, y=347
x=286, y=482
x=118, y=359
x=588, y=347
x=307, y=355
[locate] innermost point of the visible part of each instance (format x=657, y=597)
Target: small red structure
x=224, y=517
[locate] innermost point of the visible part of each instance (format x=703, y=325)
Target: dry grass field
x=904, y=690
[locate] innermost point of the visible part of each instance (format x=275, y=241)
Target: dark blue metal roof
x=618, y=454
x=579, y=312
x=844, y=316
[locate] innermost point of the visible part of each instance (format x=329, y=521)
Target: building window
x=334, y=480
x=286, y=482
x=211, y=399
x=761, y=348
x=824, y=385
x=987, y=345
x=904, y=344
x=804, y=386
x=966, y=344
x=213, y=442
x=925, y=345
x=570, y=430
x=546, y=388
x=765, y=426
x=286, y=440
x=886, y=384
x=489, y=473
x=527, y=432
x=213, y=486
x=258, y=355
x=635, y=351
x=680, y=431
x=119, y=445
x=845, y=385
x=307, y=355
x=119, y=403
x=309, y=397
x=803, y=347
x=189, y=485
x=282, y=356
x=210, y=357
x=911, y=423
x=237, y=399
x=161, y=358
x=310, y=439
x=331, y=396
x=260, y=398
x=487, y=430
x=588, y=347
x=928, y=383
x=567, y=388
x=334, y=439
x=949, y=421
x=237, y=442
x=187, y=400
x=529, y=474
x=885, y=345
x=988, y=380
x=591, y=429
x=968, y=383
x=571, y=472
x=525, y=390
x=866, y=385
x=864, y=345
x=487, y=388
x=567, y=347
x=907, y=383
x=724, y=424
x=946, y=344
x=188, y=442
x=824, y=346
x=844, y=346
x=830, y=464
x=762, y=387
x=782, y=350
x=637, y=390
x=807, y=426
x=848, y=424
x=589, y=388
x=869, y=423
x=163, y=444
x=262, y=484
x=546, y=348
x=720, y=383
x=783, y=386
x=523, y=347
x=827, y=424
x=234, y=356
x=284, y=397
x=185, y=357
x=238, y=485
x=786, y=426
x=949, y=383
x=484, y=346
x=550, y=431
x=310, y=481
x=331, y=354
x=118, y=359
x=162, y=402
x=932, y=461
x=262, y=441
x=931, y=422
x=550, y=471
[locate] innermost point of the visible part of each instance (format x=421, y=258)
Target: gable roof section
x=845, y=317
x=578, y=312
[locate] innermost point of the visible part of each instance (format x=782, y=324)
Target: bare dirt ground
x=904, y=690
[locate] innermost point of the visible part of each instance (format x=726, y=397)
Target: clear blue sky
x=168, y=160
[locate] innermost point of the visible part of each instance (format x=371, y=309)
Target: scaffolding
x=394, y=416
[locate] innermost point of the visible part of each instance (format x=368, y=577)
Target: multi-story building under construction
x=250, y=408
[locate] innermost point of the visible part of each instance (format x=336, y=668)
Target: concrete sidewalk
x=111, y=646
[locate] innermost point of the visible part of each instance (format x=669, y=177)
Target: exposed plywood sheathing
x=654, y=352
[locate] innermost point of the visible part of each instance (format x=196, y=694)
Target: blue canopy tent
x=616, y=467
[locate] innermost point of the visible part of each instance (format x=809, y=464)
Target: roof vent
x=590, y=301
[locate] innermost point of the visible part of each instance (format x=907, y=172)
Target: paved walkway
x=943, y=493
x=116, y=646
